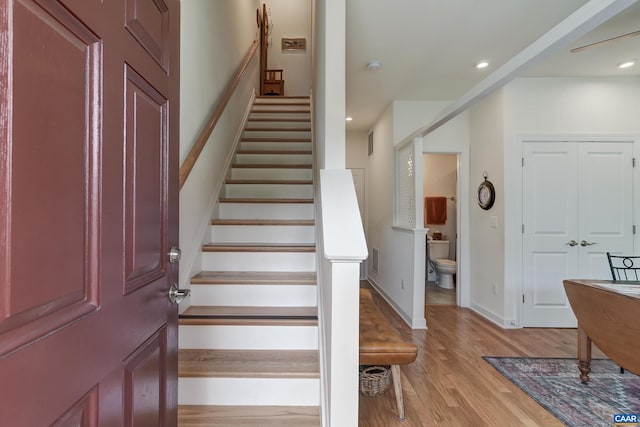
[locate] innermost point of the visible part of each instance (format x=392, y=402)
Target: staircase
x=249, y=341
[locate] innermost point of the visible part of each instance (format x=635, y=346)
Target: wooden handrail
x=190, y=161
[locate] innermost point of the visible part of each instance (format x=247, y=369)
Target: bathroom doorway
x=440, y=183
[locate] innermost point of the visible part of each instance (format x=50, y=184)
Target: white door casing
x=572, y=192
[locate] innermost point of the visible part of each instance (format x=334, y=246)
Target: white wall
x=487, y=242
x=357, y=149
x=526, y=107
x=400, y=276
x=572, y=106
x=291, y=18
x=329, y=61
x=215, y=36
x=577, y=107
x=356, y=159
x=411, y=115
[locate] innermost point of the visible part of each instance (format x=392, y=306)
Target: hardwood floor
x=436, y=295
x=451, y=385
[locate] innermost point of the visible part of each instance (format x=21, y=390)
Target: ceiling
x=428, y=48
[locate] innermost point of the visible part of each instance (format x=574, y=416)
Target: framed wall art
x=294, y=43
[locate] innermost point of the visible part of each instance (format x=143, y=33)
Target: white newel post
x=342, y=247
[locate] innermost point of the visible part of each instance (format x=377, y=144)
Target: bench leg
x=397, y=387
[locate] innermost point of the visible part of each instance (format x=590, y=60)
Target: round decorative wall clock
x=486, y=194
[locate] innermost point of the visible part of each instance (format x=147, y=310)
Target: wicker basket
x=374, y=380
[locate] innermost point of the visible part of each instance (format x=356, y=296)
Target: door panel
x=88, y=210
x=549, y=183
x=575, y=191
x=83, y=414
x=148, y=22
x=606, y=205
x=35, y=218
x=145, y=391
x=145, y=167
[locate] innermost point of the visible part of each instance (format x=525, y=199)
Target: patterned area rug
x=555, y=384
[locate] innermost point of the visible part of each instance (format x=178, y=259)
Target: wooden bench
x=381, y=344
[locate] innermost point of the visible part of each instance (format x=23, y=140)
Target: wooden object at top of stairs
x=273, y=83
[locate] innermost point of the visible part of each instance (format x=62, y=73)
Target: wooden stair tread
x=291, y=222
x=206, y=363
x=271, y=166
x=273, y=139
x=306, y=104
x=254, y=277
x=276, y=129
x=270, y=181
x=240, y=321
x=272, y=152
x=262, y=200
x=248, y=416
x=270, y=97
x=279, y=119
x=250, y=311
x=258, y=247
x=249, y=316
x=273, y=111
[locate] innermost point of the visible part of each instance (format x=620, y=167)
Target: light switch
x=493, y=221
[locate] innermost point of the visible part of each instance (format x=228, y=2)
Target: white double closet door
x=577, y=205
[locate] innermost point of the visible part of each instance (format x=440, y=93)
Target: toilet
x=445, y=268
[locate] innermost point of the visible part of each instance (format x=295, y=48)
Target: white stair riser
x=259, y=261
x=269, y=191
x=249, y=391
x=297, y=106
x=254, y=295
x=281, y=105
x=249, y=337
x=271, y=173
x=283, y=100
x=274, y=159
x=274, y=145
x=266, y=211
x=280, y=116
x=263, y=233
x=287, y=134
x=277, y=124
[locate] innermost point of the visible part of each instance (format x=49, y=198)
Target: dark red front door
x=88, y=211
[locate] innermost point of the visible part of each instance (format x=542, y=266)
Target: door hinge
x=634, y=229
x=633, y=162
x=523, y=298
x=522, y=228
x=523, y=162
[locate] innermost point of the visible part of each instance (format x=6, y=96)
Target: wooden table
x=608, y=314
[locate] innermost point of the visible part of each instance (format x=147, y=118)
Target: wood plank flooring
x=451, y=385
x=437, y=295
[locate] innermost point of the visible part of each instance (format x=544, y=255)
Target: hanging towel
x=435, y=209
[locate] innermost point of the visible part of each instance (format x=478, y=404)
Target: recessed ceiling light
x=626, y=64
x=349, y=119
x=482, y=64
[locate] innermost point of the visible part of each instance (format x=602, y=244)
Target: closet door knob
x=572, y=243
x=585, y=243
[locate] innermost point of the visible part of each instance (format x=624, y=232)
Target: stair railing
x=192, y=157
x=342, y=247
